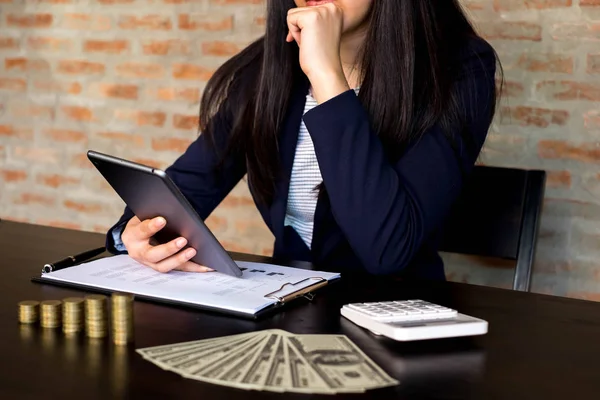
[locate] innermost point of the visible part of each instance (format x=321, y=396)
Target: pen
x=72, y=260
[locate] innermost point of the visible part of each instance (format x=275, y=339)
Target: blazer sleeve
x=196, y=174
x=387, y=210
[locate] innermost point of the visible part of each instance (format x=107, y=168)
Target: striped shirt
x=306, y=176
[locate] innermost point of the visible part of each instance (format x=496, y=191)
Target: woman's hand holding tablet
x=162, y=217
x=137, y=238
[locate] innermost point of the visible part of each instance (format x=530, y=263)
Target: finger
x=174, y=261
x=147, y=228
x=193, y=267
x=133, y=221
x=297, y=37
x=289, y=37
x=294, y=33
x=299, y=16
x=299, y=10
x=293, y=22
x=156, y=254
x=129, y=228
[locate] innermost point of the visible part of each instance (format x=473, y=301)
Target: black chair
x=498, y=215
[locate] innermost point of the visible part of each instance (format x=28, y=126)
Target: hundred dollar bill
x=210, y=372
x=231, y=376
x=340, y=363
x=193, y=360
x=164, y=357
x=150, y=352
x=252, y=363
x=303, y=378
x=256, y=372
x=278, y=378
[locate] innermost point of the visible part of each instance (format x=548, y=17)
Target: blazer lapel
x=288, y=139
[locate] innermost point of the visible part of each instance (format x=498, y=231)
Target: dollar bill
x=274, y=360
x=195, y=359
x=278, y=378
x=234, y=374
x=151, y=352
x=211, y=372
x=340, y=363
x=303, y=378
x=165, y=357
x=256, y=372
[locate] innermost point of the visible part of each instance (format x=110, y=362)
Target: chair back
x=498, y=215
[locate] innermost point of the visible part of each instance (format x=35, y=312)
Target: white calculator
x=413, y=320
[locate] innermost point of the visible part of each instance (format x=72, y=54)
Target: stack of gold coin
x=122, y=318
x=50, y=316
x=29, y=311
x=95, y=316
x=72, y=314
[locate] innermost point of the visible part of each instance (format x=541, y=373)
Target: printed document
x=213, y=289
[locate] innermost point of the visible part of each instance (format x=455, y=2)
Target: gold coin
x=92, y=298
x=122, y=295
x=73, y=300
x=28, y=311
x=96, y=326
x=51, y=303
x=96, y=334
x=95, y=314
x=50, y=316
x=90, y=321
x=121, y=302
x=122, y=320
x=29, y=303
x=122, y=328
x=96, y=329
x=96, y=318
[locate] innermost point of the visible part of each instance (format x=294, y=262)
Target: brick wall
x=125, y=76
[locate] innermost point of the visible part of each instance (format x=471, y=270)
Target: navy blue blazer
x=375, y=216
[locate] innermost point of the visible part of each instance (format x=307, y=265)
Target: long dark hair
x=408, y=64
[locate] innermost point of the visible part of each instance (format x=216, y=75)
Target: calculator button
x=369, y=313
x=382, y=314
x=398, y=313
x=358, y=307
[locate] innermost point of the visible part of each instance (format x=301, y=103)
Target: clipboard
x=285, y=295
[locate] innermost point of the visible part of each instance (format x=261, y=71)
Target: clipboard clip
x=305, y=291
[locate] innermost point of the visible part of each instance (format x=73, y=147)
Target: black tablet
x=150, y=193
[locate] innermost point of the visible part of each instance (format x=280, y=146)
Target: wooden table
x=538, y=347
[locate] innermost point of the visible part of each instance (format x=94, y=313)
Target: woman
x=356, y=121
